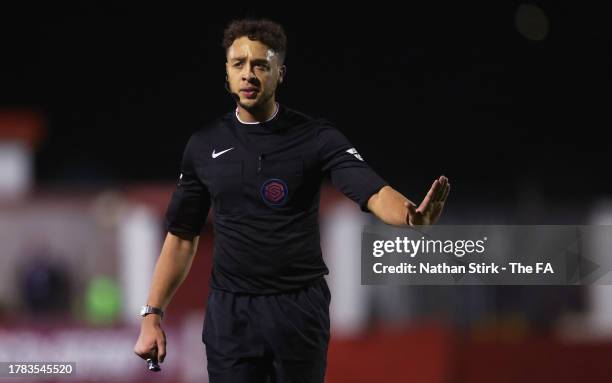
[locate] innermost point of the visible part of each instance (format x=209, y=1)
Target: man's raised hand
x=430, y=209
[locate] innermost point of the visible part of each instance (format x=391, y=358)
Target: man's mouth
x=249, y=92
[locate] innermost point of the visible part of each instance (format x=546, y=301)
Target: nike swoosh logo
x=215, y=155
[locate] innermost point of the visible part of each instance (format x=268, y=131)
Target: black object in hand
x=153, y=366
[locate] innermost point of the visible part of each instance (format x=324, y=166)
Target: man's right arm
x=184, y=220
x=171, y=269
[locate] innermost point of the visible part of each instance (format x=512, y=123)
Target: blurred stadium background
x=510, y=100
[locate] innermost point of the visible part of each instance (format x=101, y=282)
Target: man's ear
x=282, y=71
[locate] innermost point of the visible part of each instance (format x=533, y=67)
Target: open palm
x=430, y=209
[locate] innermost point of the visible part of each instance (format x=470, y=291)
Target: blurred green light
x=102, y=300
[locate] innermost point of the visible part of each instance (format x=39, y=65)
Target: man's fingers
x=161, y=349
x=431, y=195
x=143, y=353
x=433, y=190
x=442, y=182
x=446, y=191
x=438, y=190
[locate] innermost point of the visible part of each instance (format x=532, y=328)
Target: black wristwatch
x=146, y=310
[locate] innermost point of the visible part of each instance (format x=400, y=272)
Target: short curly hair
x=266, y=31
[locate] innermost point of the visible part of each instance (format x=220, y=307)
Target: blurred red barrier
x=417, y=354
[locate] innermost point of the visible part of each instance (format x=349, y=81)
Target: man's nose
x=247, y=72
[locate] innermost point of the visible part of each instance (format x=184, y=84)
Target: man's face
x=253, y=72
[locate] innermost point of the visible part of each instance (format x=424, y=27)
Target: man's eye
x=237, y=65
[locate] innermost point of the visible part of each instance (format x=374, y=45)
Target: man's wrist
x=148, y=310
x=152, y=319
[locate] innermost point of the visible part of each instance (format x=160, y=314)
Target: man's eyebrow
x=256, y=61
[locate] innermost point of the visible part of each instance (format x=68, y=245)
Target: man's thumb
x=411, y=211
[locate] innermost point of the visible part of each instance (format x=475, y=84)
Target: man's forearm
x=388, y=206
x=171, y=269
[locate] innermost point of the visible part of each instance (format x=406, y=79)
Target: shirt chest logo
x=274, y=191
x=217, y=154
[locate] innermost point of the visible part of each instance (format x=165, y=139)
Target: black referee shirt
x=263, y=181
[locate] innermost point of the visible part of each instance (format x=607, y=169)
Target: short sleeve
x=347, y=169
x=190, y=201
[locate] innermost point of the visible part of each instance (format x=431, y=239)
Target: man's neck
x=257, y=115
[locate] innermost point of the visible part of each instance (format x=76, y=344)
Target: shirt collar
x=277, y=107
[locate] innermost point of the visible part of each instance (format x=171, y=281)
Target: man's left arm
x=353, y=177
x=391, y=207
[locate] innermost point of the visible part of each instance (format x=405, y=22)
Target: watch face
x=143, y=310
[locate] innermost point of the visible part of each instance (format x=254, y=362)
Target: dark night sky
x=420, y=91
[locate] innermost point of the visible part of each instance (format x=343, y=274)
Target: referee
x=261, y=167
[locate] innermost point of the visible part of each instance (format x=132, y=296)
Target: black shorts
x=277, y=338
